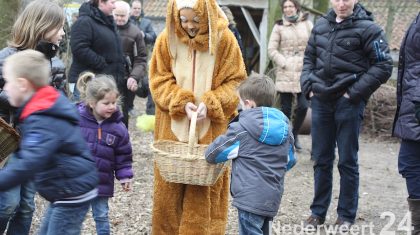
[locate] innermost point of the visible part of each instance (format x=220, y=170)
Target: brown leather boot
x=414, y=207
x=312, y=223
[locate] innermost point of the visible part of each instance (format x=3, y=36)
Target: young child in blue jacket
x=260, y=142
x=52, y=150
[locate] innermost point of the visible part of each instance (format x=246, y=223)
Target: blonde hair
x=37, y=19
x=94, y=88
x=31, y=65
x=259, y=88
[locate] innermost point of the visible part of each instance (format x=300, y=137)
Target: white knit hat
x=185, y=4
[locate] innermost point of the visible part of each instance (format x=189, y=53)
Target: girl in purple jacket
x=108, y=140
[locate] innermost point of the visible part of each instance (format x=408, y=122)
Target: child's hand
x=127, y=186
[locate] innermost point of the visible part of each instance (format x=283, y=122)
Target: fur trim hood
x=212, y=21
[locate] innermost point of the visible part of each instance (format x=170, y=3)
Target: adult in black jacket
x=407, y=118
x=146, y=27
x=144, y=24
x=95, y=43
x=134, y=52
x=346, y=60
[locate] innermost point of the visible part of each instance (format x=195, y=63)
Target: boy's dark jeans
x=336, y=122
x=252, y=224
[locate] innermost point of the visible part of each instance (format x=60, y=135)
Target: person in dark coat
x=135, y=55
x=346, y=60
x=107, y=138
x=51, y=151
x=95, y=43
x=143, y=23
x=407, y=118
x=146, y=27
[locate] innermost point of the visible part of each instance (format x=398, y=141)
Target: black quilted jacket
x=351, y=56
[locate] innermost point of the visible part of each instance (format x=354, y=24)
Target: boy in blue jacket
x=260, y=142
x=52, y=151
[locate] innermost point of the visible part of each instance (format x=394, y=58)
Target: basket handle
x=191, y=136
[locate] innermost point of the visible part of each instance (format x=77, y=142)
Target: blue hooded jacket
x=261, y=146
x=52, y=151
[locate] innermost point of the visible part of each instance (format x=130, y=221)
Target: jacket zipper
x=330, y=49
x=99, y=134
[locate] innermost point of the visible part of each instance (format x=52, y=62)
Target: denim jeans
x=409, y=166
x=17, y=207
x=252, y=224
x=100, y=215
x=64, y=219
x=336, y=123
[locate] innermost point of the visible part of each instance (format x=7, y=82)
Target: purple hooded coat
x=109, y=143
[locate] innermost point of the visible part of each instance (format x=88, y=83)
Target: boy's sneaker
x=343, y=226
x=312, y=223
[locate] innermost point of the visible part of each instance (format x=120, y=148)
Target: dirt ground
x=382, y=196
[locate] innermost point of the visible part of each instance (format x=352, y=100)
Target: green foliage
x=8, y=13
x=274, y=14
x=321, y=5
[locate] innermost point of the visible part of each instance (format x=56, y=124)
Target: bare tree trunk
x=390, y=19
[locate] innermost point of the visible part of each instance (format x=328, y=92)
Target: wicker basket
x=9, y=141
x=185, y=162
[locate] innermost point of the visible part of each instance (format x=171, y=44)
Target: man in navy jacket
x=346, y=60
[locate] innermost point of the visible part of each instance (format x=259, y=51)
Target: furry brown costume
x=179, y=70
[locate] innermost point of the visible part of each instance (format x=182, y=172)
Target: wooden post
x=264, y=42
x=390, y=20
